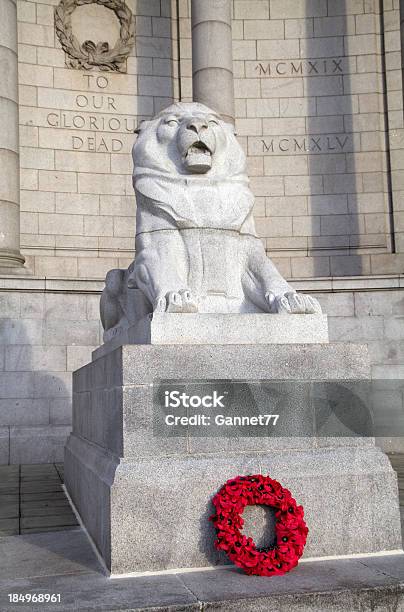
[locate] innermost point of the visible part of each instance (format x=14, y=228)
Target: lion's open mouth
x=198, y=158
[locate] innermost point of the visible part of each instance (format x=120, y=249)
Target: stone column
x=401, y=13
x=10, y=256
x=212, y=56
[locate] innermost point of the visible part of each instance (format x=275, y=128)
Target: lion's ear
x=141, y=125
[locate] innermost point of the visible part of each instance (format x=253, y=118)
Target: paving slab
x=46, y=529
x=46, y=554
x=389, y=565
x=7, y=476
x=10, y=510
x=9, y=526
x=8, y=499
x=45, y=503
x=9, y=488
x=232, y=584
x=52, y=509
x=38, y=472
x=46, y=495
x=49, y=521
x=38, y=466
x=40, y=487
x=386, y=599
x=9, y=469
x=89, y=592
x=34, y=479
x=25, y=478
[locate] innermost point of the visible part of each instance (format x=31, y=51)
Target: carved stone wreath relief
x=98, y=54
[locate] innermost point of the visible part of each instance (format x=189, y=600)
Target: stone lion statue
x=196, y=245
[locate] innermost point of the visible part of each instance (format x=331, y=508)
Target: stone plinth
x=218, y=328
x=145, y=500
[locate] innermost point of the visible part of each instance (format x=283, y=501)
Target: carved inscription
x=305, y=144
x=300, y=68
x=99, y=123
x=293, y=145
x=90, y=119
x=98, y=144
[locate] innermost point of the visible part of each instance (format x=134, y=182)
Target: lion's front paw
x=293, y=303
x=176, y=301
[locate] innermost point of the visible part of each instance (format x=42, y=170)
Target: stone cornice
x=326, y=284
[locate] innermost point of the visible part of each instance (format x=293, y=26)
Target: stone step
x=63, y=562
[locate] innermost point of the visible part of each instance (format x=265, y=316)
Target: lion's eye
x=213, y=122
x=171, y=121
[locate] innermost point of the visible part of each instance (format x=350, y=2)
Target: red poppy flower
x=290, y=528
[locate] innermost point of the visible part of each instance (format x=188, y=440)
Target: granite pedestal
x=251, y=328
x=145, y=499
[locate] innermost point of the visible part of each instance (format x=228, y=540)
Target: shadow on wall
x=35, y=402
x=207, y=538
x=401, y=6
x=155, y=64
x=332, y=202
x=154, y=52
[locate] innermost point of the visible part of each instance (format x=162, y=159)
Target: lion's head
x=188, y=140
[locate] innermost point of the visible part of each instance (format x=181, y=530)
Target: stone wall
x=375, y=318
x=319, y=111
x=44, y=337
x=76, y=135
x=309, y=74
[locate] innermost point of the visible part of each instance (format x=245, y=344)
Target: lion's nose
x=197, y=125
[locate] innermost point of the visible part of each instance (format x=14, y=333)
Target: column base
x=12, y=263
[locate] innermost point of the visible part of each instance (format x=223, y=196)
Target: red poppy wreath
x=291, y=530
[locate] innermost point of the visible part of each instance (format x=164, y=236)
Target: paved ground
x=35, y=566
x=63, y=564
x=32, y=500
